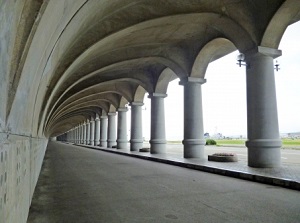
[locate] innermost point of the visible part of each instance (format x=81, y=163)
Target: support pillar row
x=158, y=133
x=103, y=131
x=264, y=141
x=122, y=129
x=97, y=131
x=111, y=130
x=88, y=132
x=136, y=133
x=193, y=142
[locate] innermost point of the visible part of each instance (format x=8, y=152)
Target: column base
x=263, y=153
x=122, y=144
x=136, y=144
x=103, y=143
x=193, y=148
x=111, y=143
x=158, y=146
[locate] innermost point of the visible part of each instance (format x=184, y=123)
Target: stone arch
x=166, y=76
x=139, y=94
x=123, y=102
x=287, y=14
x=213, y=50
x=112, y=108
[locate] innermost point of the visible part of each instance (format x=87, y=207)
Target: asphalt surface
x=81, y=185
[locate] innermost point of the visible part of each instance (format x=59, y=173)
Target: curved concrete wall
x=63, y=61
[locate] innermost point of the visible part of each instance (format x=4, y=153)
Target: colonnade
x=263, y=142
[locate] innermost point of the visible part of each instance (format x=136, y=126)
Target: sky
x=224, y=95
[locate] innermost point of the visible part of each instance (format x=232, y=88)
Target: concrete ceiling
x=95, y=56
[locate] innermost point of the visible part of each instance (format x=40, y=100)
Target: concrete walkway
x=288, y=175
x=77, y=184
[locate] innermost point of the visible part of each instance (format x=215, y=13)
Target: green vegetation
x=211, y=142
x=291, y=142
x=288, y=143
x=241, y=142
x=231, y=142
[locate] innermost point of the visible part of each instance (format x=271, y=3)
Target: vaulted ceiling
x=91, y=56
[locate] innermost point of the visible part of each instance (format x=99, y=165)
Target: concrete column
x=122, y=129
x=111, y=138
x=103, y=131
x=136, y=133
x=193, y=141
x=81, y=133
x=264, y=141
x=84, y=133
x=77, y=134
x=92, y=131
x=158, y=133
x=88, y=132
x=72, y=135
x=97, y=130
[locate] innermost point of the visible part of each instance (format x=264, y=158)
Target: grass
x=285, y=142
x=241, y=142
x=230, y=142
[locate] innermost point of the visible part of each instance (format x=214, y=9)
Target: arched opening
x=287, y=85
x=224, y=99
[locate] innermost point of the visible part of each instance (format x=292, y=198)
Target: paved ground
x=82, y=185
x=288, y=156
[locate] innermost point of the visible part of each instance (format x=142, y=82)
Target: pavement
x=78, y=184
x=288, y=175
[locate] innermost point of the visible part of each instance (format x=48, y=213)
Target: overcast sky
x=224, y=95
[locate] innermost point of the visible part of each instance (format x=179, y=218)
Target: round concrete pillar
x=193, y=142
x=79, y=134
x=103, y=131
x=84, y=133
x=72, y=136
x=264, y=141
x=158, y=132
x=75, y=135
x=97, y=131
x=82, y=127
x=111, y=130
x=122, y=129
x=88, y=132
x=92, y=131
x=136, y=133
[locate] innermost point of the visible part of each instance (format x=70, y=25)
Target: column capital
x=111, y=113
x=157, y=95
x=271, y=52
x=103, y=117
x=138, y=103
x=122, y=109
x=186, y=80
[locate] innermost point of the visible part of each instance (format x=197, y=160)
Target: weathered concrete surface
x=83, y=185
x=21, y=158
x=62, y=61
x=21, y=151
